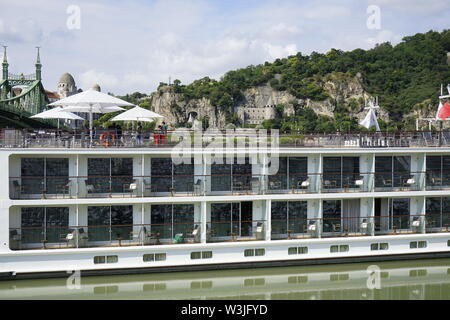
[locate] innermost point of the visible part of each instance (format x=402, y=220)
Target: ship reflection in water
x=420, y=279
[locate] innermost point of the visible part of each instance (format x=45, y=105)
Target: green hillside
x=402, y=76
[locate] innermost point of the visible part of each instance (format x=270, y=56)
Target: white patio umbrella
x=57, y=113
x=91, y=101
x=137, y=114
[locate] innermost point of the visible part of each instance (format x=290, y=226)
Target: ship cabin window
x=254, y=252
x=339, y=248
x=43, y=176
x=232, y=219
x=393, y=172
x=170, y=177
x=288, y=217
x=297, y=250
x=110, y=223
x=44, y=224
x=437, y=212
x=291, y=173
x=392, y=214
x=109, y=175
x=234, y=176
x=437, y=171
x=332, y=214
x=340, y=172
x=106, y=259
x=169, y=220
x=201, y=255
x=150, y=257
x=417, y=244
x=379, y=246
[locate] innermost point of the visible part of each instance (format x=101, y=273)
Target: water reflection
x=421, y=279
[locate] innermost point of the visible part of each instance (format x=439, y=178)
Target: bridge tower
x=31, y=99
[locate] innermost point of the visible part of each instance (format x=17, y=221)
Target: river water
x=418, y=279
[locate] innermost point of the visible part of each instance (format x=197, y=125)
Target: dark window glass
x=278, y=181
x=298, y=171
x=220, y=177
x=446, y=170
x=99, y=174
x=402, y=168
x=350, y=171
x=242, y=173
x=121, y=222
x=57, y=223
x=32, y=172
x=121, y=173
x=183, y=179
x=33, y=221
x=445, y=212
x=99, y=220
x=161, y=174
x=183, y=218
x=400, y=213
x=297, y=216
x=332, y=168
x=331, y=215
x=221, y=219
x=434, y=170
x=57, y=174
x=161, y=220
x=433, y=212
x=383, y=172
x=40, y=223
x=279, y=217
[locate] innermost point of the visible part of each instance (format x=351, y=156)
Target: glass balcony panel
x=183, y=219
x=32, y=225
x=121, y=222
x=279, y=213
x=220, y=177
x=161, y=221
x=99, y=220
x=183, y=179
x=331, y=216
x=57, y=223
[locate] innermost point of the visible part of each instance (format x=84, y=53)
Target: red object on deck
x=444, y=111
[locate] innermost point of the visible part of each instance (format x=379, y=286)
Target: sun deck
x=10, y=138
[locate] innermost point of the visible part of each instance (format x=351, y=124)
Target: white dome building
x=66, y=86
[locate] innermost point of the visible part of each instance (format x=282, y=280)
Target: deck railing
x=59, y=236
x=123, y=186
x=11, y=138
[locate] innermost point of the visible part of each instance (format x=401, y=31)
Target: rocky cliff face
x=341, y=89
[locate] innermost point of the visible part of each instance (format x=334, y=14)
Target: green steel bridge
x=15, y=109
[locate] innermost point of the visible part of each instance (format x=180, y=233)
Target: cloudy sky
x=128, y=46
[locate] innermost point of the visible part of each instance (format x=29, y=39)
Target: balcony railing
x=11, y=138
x=57, y=237
x=51, y=187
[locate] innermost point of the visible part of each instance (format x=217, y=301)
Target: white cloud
x=384, y=36
x=91, y=77
x=133, y=45
x=419, y=7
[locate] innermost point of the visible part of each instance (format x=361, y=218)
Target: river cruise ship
x=72, y=202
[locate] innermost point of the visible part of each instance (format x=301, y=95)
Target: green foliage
x=402, y=77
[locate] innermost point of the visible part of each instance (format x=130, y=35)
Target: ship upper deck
x=240, y=138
